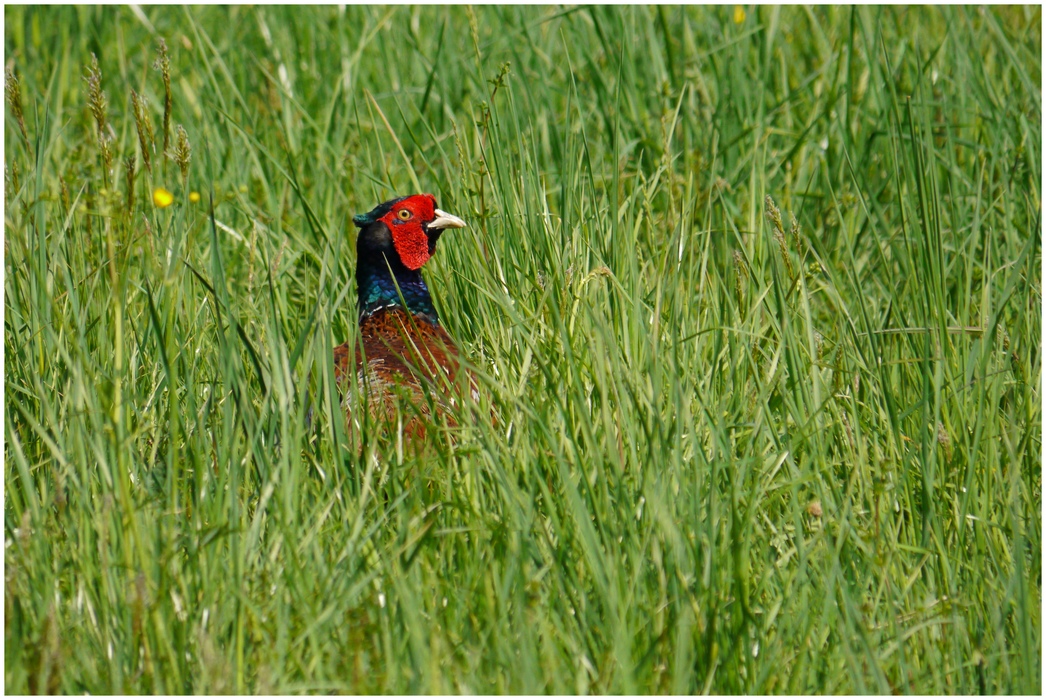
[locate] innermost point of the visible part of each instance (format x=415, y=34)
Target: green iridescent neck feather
x=377, y=285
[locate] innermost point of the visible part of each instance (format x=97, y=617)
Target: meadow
x=752, y=296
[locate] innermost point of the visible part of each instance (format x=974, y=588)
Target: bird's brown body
x=398, y=348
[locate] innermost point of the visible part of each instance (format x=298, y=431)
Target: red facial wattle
x=408, y=234
x=412, y=245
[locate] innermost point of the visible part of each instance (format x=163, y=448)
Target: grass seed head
x=13, y=90
x=182, y=151
x=740, y=276
x=144, y=126
x=773, y=215
x=944, y=440
x=105, y=142
x=96, y=101
x=163, y=64
x=10, y=180
x=797, y=235
x=474, y=32
x=783, y=247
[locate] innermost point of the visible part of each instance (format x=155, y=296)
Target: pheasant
x=403, y=343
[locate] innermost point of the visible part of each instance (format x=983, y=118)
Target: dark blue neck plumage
x=376, y=284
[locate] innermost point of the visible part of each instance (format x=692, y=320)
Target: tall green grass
x=753, y=300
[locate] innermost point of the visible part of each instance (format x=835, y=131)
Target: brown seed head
x=163, y=64
x=740, y=276
x=182, y=151
x=773, y=215
x=95, y=97
x=105, y=142
x=145, y=127
x=13, y=90
x=944, y=440
x=797, y=235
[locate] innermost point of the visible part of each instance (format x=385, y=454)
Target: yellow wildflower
x=739, y=14
x=194, y=197
x=162, y=198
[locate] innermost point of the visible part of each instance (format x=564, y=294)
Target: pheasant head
x=396, y=239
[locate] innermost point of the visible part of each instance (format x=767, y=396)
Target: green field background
x=752, y=296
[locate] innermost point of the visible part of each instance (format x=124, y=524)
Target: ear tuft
x=376, y=213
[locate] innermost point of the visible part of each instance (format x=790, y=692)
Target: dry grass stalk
x=130, y=164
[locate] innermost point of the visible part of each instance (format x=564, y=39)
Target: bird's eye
x=404, y=214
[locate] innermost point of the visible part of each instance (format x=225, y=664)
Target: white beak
x=445, y=220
